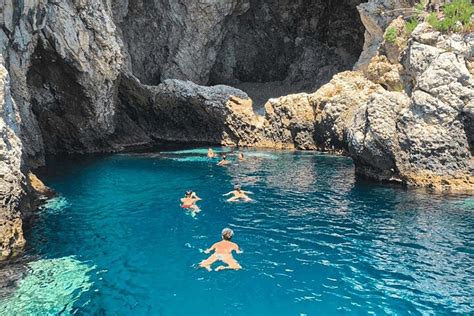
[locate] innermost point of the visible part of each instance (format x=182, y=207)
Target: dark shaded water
x=315, y=241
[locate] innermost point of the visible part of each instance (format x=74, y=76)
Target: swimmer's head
x=227, y=234
x=224, y=156
x=237, y=187
x=188, y=193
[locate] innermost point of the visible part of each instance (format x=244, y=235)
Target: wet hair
x=227, y=233
x=189, y=192
x=237, y=187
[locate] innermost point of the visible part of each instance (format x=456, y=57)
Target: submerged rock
x=50, y=287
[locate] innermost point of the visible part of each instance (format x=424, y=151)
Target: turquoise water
x=316, y=241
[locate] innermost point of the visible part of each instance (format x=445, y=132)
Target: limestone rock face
x=372, y=136
x=376, y=15
x=289, y=123
x=408, y=117
x=437, y=128
x=215, y=42
x=182, y=111
x=64, y=59
x=12, y=180
x=418, y=129
x=72, y=77
x=337, y=102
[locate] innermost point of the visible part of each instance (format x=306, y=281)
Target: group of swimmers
x=190, y=198
x=224, y=248
x=223, y=162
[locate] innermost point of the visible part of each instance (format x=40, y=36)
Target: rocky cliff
x=83, y=76
x=406, y=116
x=12, y=179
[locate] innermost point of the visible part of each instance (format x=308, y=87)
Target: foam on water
x=193, y=159
x=199, y=151
x=55, y=205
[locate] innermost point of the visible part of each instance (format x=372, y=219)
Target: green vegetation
x=458, y=10
x=411, y=25
x=414, y=19
x=390, y=34
x=420, y=7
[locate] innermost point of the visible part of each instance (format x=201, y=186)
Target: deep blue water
x=316, y=241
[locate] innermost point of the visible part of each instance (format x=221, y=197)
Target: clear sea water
x=316, y=241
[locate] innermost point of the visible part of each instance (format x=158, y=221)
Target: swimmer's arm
x=213, y=247
x=231, y=192
x=237, y=249
x=247, y=192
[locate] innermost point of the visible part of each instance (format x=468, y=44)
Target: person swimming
x=222, y=252
x=211, y=153
x=239, y=194
x=189, y=201
x=224, y=161
x=194, y=195
x=241, y=156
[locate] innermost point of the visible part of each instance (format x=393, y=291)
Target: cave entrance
x=268, y=48
x=282, y=47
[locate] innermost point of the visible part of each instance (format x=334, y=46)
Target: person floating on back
x=239, y=195
x=222, y=252
x=189, y=201
x=211, y=153
x=224, y=161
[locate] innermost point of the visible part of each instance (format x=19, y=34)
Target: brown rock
x=381, y=71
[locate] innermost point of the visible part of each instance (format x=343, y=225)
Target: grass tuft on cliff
x=391, y=34
x=411, y=25
x=458, y=10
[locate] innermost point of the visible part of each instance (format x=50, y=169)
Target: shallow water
x=315, y=241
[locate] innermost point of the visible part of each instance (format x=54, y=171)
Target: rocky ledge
x=406, y=117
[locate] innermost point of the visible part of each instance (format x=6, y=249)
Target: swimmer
x=194, y=195
x=189, y=201
x=239, y=194
x=224, y=161
x=211, y=153
x=223, y=252
x=241, y=156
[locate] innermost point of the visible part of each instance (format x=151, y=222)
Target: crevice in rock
x=468, y=123
x=59, y=102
